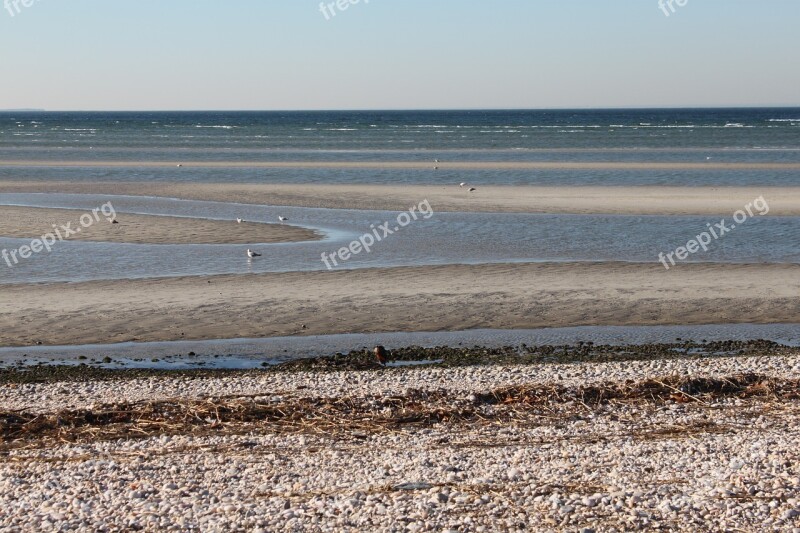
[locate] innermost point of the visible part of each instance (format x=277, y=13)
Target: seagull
x=179, y=165
x=380, y=354
x=251, y=253
x=462, y=184
x=435, y=160
x=472, y=189
x=282, y=219
x=239, y=220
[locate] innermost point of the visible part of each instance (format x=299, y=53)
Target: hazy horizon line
x=400, y=110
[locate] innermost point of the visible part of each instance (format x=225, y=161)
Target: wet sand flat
x=433, y=298
x=646, y=200
x=32, y=223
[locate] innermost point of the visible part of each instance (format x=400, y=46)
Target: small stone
x=791, y=514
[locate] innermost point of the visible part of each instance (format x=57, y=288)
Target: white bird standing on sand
x=251, y=253
x=239, y=220
x=462, y=184
x=283, y=219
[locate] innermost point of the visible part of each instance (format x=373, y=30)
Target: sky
x=397, y=54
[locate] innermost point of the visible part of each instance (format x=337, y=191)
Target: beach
x=545, y=438
x=154, y=377
x=399, y=267
x=644, y=200
x=482, y=447
x=32, y=223
x=437, y=298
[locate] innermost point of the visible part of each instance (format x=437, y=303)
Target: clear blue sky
x=397, y=54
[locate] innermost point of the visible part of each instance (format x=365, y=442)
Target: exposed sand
x=407, y=165
x=717, y=201
x=31, y=223
x=447, y=298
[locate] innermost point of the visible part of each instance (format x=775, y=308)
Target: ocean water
x=444, y=238
x=654, y=136
x=718, y=135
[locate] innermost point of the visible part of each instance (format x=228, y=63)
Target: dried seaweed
x=363, y=416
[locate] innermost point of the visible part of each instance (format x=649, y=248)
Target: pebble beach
x=510, y=337
x=444, y=457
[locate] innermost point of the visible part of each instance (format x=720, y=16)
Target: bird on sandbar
x=472, y=189
x=251, y=253
x=462, y=184
x=380, y=355
x=283, y=219
x=239, y=220
x=114, y=221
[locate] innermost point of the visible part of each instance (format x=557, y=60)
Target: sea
x=757, y=135
x=674, y=135
x=751, y=136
